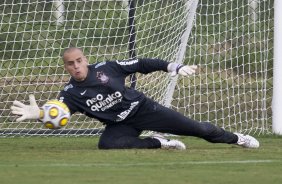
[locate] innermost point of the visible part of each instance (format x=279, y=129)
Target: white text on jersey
x=103, y=103
x=127, y=62
x=125, y=113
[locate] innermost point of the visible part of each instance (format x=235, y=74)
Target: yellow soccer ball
x=56, y=114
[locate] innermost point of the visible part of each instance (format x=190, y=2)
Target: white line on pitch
x=141, y=164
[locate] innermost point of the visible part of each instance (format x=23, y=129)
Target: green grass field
x=68, y=160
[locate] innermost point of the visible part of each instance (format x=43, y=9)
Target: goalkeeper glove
x=31, y=111
x=184, y=70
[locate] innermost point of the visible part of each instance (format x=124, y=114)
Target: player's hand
x=31, y=111
x=184, y=70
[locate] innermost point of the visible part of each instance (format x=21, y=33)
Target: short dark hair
x=70, y=49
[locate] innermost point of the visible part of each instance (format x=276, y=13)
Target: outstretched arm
x=147, y=65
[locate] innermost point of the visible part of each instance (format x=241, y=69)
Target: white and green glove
x=31, y=111
x=184, y=70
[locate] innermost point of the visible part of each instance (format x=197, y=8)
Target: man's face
x=76, y=64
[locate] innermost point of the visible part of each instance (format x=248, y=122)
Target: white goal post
x=277, y=67
x=237, y=87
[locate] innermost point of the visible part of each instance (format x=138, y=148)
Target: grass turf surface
x=68, y=160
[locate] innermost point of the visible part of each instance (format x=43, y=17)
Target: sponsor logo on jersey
x=83, y=92
x=125, y=113
x=102, y=77
x=67, y=87
x=127, y=62
x=100, y=64
x=102, y=103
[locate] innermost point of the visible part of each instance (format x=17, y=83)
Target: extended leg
x=158, y=118
x=153, y=116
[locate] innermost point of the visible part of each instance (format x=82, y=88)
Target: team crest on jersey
x=102, y=77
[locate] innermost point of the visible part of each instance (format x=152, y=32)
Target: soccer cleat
x=169, y=144
x=247, y=141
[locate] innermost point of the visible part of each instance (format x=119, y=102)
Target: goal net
x=230, y=40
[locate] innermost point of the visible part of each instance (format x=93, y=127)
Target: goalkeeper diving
x=99, y=91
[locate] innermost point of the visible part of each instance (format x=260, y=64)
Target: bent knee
x=112, y=144
x=105, y=145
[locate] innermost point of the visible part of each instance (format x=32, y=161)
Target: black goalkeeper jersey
x=103, y=94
